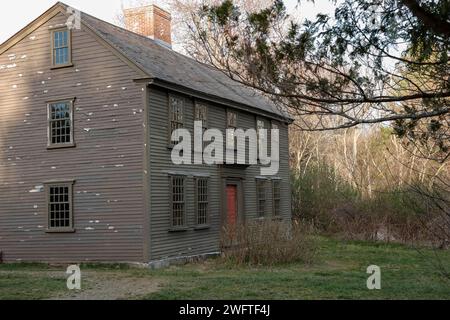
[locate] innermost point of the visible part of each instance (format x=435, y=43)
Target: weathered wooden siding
x=106, y=163
x=165, y=244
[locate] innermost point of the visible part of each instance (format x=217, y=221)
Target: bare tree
x=374, y=61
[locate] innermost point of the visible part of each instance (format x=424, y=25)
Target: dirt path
x=100, y=285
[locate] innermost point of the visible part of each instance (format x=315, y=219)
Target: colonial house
x=86, y=114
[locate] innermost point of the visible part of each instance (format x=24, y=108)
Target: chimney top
x=150, y=21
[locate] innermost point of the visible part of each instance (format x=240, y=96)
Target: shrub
x=268, y=243
x=317, y=192
x=392, y=215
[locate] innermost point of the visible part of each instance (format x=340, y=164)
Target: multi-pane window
x=276, y=194
x=260, y=125
x=177, y=184
x=60, y=123
x=231, y=119
x=276, y=127
x=59, y=199
x=176, y=106
x=202, y=201
x=61, y=47
x=261, y=197
x=201, y=114
x=231, y=124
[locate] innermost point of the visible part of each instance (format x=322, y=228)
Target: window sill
x=61, y=146
x=62, y=66
x=178, y=229
x=64, y=230
x=202, y=227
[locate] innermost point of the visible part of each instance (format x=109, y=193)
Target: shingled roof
x=159, y=63
x=162, y=63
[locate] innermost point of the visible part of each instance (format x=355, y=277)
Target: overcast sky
x=16, y=14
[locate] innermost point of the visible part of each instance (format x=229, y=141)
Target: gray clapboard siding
x=106, y=163
x=112, y=218
x=163, y=243
x=166, y=244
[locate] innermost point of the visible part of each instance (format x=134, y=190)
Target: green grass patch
x=339, y=272
x=25, y=286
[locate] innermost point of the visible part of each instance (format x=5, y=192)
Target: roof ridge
x=153, y=60
x=150, y=40
x=161, y=63
x=147, y=38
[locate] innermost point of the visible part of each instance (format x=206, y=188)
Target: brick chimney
x=150, y=21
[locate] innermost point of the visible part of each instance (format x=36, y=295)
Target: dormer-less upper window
x=176, y=110
x=61, y=48
x=231, y=124
x=60, y=124
x=201, y=114
x=260, y=125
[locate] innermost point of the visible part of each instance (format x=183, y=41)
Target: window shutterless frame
x=176, y=106
x=276, y=197
x=231, y=123
x=232, y=119
x=202, y=213
x=177, y=193
x=260, y=124
x=59, y=201
x=276, y=126
x=201, y=114
x=261, y=197
x=57, y=46
x=52, y=125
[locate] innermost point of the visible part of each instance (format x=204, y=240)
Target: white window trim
x=53, y=183
x=70, y=144
x=52, y=47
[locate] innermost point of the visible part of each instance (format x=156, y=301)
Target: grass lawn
x=338, y=273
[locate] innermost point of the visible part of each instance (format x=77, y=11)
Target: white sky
x=16, y=14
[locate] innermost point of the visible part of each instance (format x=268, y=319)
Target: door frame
x=240, y=200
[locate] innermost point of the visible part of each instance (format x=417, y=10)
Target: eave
x=32, y=26
x=212, y=98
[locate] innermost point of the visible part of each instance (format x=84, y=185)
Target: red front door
x=232, y=204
